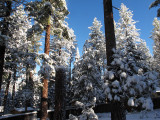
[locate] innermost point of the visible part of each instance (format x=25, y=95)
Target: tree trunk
x=44, y=100
x=2, y=53
x=109, y=30
x=118, y=110
x=70, y=68
x=59, y=113
x=14, y=82
x=6, y=92
x=2, y=45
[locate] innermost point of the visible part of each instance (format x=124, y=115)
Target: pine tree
x=129, y=75
x=156, y=48
x=86, y=77
x=97, y=44
x=43, y=12
x=4, y=38
x=125, y=28
x=128, y=37
x=17, y=46
x=87, y=71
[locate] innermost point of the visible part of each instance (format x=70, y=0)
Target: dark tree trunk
x=6, y=92
x=2, y=45
x=70, y=68
x=118, y=110
x=59, y=113
x=44, y=100
x=14, y=82
x=27, y=86
x=2, y=53
x=109, y=30
x=27, y=75
x=31, y=79
x=60, y=51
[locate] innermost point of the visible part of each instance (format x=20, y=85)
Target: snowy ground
x=151, y=115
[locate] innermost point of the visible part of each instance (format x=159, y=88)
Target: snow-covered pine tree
x=7, y=8
x=96, y=42
x=129, y=77
x=156, y=48
x=75, y=75
x=17, y=45
x=62, y=45
x=50, y=14
x=87, y=71
x=127, y=37
x=125, y=28
x=62, y=48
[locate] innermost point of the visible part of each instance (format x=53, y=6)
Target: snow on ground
x=150, y=115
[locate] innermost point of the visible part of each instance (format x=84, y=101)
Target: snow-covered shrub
x=87, y=113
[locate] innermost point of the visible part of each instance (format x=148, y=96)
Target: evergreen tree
x=97, y=44
x=49, y=14
x=17, y=48
x=127, y=35
x=129, y=75
x=86, y=72
x=156, y=48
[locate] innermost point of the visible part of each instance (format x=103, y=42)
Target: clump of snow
x=123, y=75
x=131, y=102
x=88, y=114
x=79, y=104
x=115, y=83
x=111, y=75
x=148, y=104
x=72, y=117
x=110, y=97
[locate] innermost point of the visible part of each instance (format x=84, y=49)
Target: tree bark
x=6, y=92
x=70, y=67
x=2, y=53
x=118, y=110
x=59, y=113
x=14, y=82
x=44, y=100
x=2, y=46
x=109, y=30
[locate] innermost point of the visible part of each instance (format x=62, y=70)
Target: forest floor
x=149, y=115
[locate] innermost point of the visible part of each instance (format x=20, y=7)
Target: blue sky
x=82, y=13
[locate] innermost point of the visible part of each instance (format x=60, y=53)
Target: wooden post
x=59, y=113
